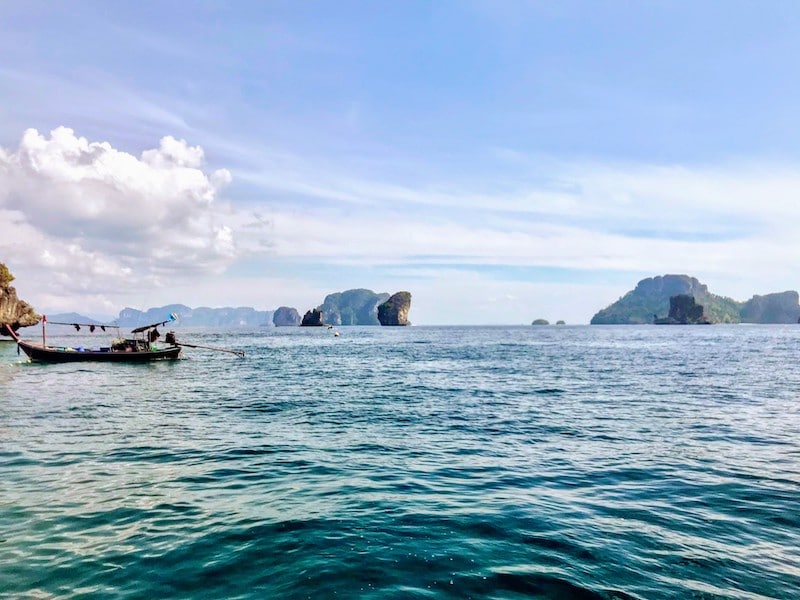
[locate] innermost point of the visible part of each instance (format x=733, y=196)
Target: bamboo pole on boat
x=238, y=353
x=172, y=317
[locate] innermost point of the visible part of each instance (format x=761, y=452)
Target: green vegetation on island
x=5, y=276
x=352, y=307
x=650, y=300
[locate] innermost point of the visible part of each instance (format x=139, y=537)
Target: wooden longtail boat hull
x=48, y=354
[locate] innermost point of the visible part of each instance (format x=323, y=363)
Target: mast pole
x=44, y=326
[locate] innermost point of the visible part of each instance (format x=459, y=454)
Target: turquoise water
x=421, y=462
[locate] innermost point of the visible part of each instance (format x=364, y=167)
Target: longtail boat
x=139, y=348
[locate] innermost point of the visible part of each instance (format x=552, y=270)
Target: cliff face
x=352, y=307
x=782, y=307
x=286, y=317
x=13, y=311
x=395, y=310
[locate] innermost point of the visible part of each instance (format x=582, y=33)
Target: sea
x=585, y=462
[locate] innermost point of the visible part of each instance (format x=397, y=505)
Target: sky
x=503, y=161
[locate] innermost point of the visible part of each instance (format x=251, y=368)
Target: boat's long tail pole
x=10, y=331
x=238, y=353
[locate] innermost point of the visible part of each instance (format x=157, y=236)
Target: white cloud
x=175, y=153
x=608, y=240
x=97, y=218
x=93, y=222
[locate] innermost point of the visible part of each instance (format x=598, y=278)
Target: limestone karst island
x=681, y=299
x=360, y=307
x=351, y=307
x=661, y=300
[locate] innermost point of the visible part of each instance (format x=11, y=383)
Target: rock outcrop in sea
x=683, y=310
x=312, y=318
x=286, y=316
x=13, y=311
x=395, y=310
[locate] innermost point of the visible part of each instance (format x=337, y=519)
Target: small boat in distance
x=139, y=348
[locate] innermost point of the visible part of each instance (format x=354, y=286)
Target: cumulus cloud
x=88, y=208
x=82, y=219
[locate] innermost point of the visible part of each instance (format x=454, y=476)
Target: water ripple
x=576, y=462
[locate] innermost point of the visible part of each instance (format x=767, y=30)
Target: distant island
x=665, y=299
x=351, y=307
x=651, y=299
x=243, y=316
x=286, y=316
x=362, y=307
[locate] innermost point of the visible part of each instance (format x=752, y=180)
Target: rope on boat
x=91, y=326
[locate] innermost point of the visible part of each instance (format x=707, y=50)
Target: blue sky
x=502, y=161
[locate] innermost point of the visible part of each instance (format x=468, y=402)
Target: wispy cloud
x=448, y=149
x=107, y=216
